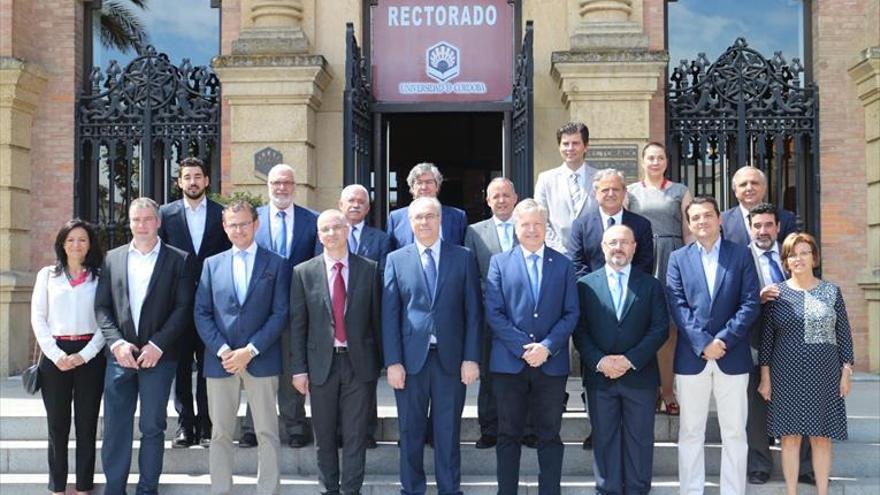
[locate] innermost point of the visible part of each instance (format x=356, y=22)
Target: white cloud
x=193, y=20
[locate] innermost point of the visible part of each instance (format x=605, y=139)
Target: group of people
x=668, y=301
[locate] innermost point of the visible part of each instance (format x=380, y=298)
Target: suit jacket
x=312, y=326
x=585, y=244
x=167, y=307
x=728, y=316
x=174, y=231
x=516, y=319
x=482, y=239
x=410, y=316
x=755, y=338
x=734, y=229
x=305, y=235
x=374, y=245
x=259, y=321
x=641, y=331
x=453, y=224
x=551, y=190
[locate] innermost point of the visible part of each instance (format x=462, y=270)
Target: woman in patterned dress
x=663, y=203
x=806, y=359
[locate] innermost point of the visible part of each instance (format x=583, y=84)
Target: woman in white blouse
x=72, y=369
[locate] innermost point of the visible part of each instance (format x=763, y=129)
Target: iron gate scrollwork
x=522, y=123
x=745, y=109
x=357, y=118
x=133, y=126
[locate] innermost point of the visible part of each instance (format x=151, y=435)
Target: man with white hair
x=750, y=188
x=424, y=181
x=291, y=232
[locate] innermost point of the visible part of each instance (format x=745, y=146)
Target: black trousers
x=83, y=387
x=195, y=420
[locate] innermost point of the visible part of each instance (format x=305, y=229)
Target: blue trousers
x=122, y=389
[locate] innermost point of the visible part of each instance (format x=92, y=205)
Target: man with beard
x=623, y=323
x=193, y=224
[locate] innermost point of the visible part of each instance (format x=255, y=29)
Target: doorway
x=468, y=148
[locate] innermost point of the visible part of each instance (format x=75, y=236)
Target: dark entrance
x=466, y=147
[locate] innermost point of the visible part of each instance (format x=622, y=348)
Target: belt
x=660, y=236
x=432, y=347
x=85, y=336
x=340, y=349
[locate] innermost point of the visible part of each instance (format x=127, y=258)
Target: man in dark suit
x=336, y=353
x=750, y=188
x=424, y=181
x=290, y=231
x=431, y=318
x=712, y=293
x=531, y=307
x=193, y=224
x=623, y=323
x=143, y=305
x=765, y=249
x=485, y=239
x=240, y=313
x=585, y=244
x=373, y=244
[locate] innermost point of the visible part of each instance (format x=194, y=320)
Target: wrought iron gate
x=133, y=126
x=745, y=109
x=522, y=125
x=357, y=119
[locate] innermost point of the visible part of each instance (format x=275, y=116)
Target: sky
x=179, y=28
x=711, y=26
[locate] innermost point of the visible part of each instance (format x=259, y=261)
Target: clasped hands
x=70, y=361
x=148, y=357
x=535, y=354
x=236, y=361
x=614, y=366
x=715, y=350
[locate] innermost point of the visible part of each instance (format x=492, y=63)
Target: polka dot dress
x=806, y=339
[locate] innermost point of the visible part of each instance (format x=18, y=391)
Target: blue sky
x=711, y=26
x=180, y=28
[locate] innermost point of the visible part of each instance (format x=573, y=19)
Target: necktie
x=533, y=276
x=775, y=272
x=610, y=222
x=281, y=246
x=574, y=189
x=430, y=267
x=506, y=240
x=240, y=276
x=352, y=241
x=339, y=304
x=618, y=300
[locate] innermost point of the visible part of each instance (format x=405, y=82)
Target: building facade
x=282, y=69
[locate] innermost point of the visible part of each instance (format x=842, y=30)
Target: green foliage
x=255, y=199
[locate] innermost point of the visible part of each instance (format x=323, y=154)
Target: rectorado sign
x=442, y=51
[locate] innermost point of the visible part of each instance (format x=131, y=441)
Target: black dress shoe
x=247, y=440
x=185, y=438
x=807, y=479
x=486, y=442
x=298, y=441
x=588, y=442
x=530, y=441
x=205, y=437
x=371, y=443
x=758, y=477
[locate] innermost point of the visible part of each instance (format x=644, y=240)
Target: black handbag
x=30, y=378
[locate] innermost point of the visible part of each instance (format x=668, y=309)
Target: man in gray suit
x=764, y=226
x=484, y=239
x=335, y=350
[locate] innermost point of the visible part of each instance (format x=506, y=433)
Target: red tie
x=339, y=304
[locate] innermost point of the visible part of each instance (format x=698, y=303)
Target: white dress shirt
x=618, y=218
x=275, y=225
x=506, y=242
x=57, y=308
x=240, y=268
x=435, y=253
x=140, y=270
x=745, y=217
x=765, y=264
x=195, y=221
x=710, y=264
x=330, y=265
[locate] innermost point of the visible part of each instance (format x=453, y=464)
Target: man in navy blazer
x=712, y=293
x=373, y=244
x=585, y=243
x=240, y=313
x=424, y=181
x=531, y=308
x=290, y=231
x=623, y=323
x=431, y=317
x=193, y=224
x=750, y=188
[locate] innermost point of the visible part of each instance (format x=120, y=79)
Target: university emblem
x=442, y=61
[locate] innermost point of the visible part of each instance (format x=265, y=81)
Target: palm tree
x=121, y=28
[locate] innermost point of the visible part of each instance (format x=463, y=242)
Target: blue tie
x=430, y=272
x=240, y=277
x=610, y=222
x=506, y=241
x=281, y=247
x=775, y=272
x=618, y=299
x=533, y=276
x=352, y=241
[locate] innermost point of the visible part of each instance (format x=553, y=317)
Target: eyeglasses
x=282, y=183
x=618, y=242
x=238, y=226
x=426, y=217
x=800, y=254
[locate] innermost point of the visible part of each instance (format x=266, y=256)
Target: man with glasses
x=424, y=181
x=240, y=313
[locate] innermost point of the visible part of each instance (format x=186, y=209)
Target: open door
x=522, y=123
x=357, y=149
